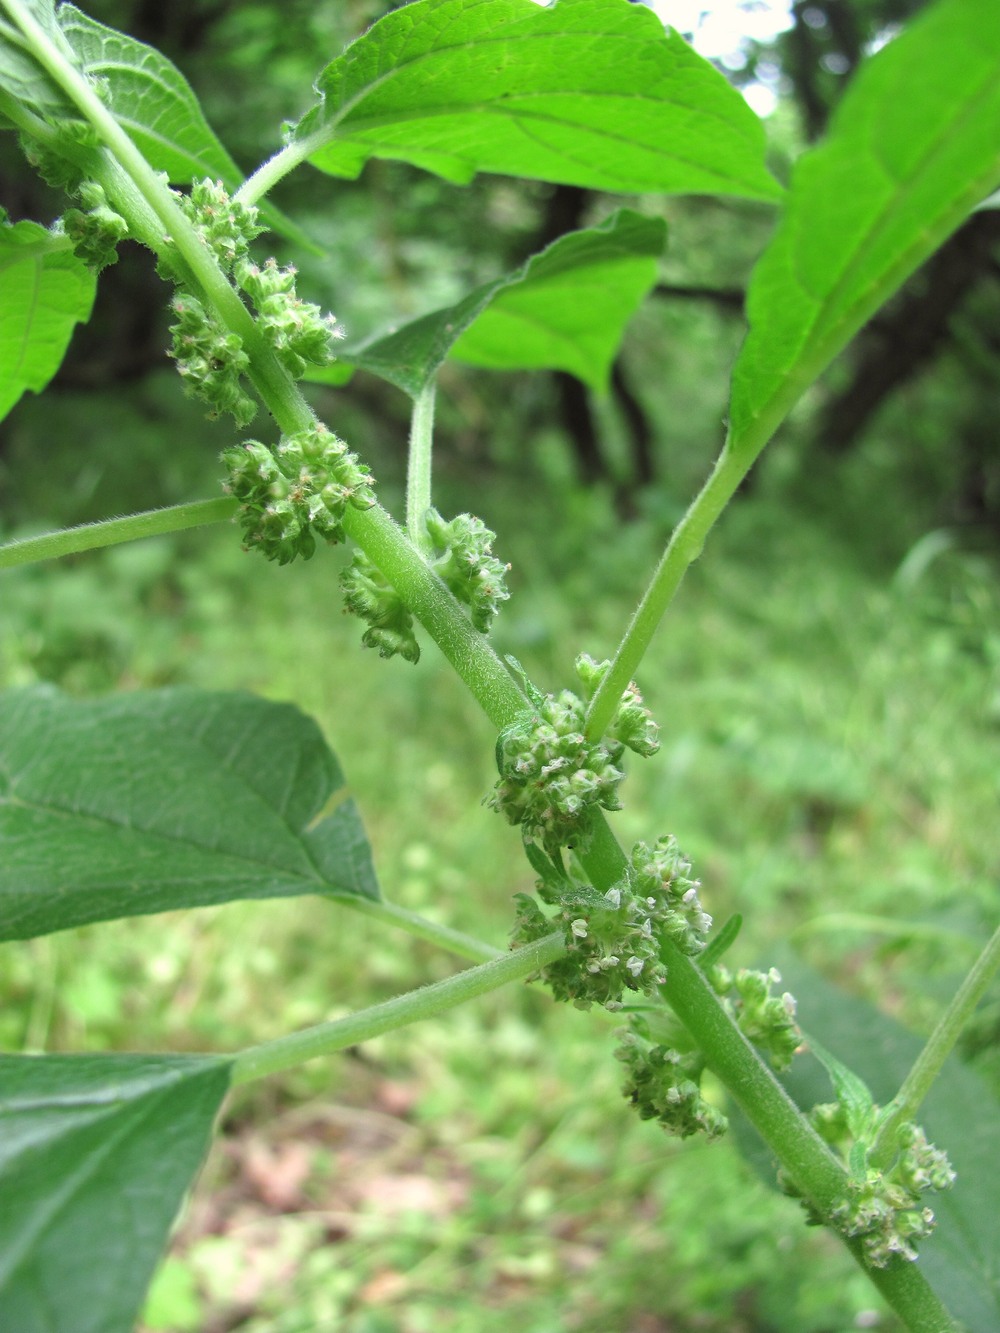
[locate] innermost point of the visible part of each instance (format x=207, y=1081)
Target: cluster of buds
x=664, y=1084
x=95, y=229
x=298, y=330
x=661, y=875
x=632, y=723
x=368, y=594
x=766, y=1020
x=461, y=556
x=883, y=1208
x=210, y=360
x=298, y=492
x=613, y=939
x=552, y=779
x=224, y=224
x=611, y=944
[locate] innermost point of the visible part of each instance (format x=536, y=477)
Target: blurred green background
x=828, y=687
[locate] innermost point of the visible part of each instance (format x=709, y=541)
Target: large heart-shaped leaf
x=96, y=1154
x=593, y=94
x=566, y=308
x=913, y=147
x=164, y=799
x=45, y=291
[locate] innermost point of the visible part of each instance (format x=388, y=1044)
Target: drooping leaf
x=96, y=1154
x=960, y=1115
x=913, y=147
x=566, y=308
x=163, y=799
x=45, y=291
x=154, y=102
x=594, y=94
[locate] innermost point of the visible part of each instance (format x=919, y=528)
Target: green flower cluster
x=660, y=875
x=613, y=939
x=461, y=555
x=765, y=1019
x=368, y=594
x=552, y=778
x=210, y=360
x=225, y=225
x=632, y=723
x=95, y=229
x=883, y=1207
x=301, y=490
x=663, y=1084
x=298, y=330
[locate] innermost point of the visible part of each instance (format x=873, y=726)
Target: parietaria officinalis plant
x=113, y=125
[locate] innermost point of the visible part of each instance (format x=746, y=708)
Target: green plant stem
x=112, y=531
x=805, y=1157
x=454, y=941
x=418, y=474
x=275, y=169
x=940, y=1044
x=682, y=550
x=272, y=1057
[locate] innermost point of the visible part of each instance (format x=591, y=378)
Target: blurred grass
x=828, y=761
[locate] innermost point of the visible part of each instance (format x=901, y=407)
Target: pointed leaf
x=164, y=799
x=566, y=308
x=594, y=94
x=45, y=291
x=96, y=1154
x=913, y=147
x=154, y=102
x=851, y=1091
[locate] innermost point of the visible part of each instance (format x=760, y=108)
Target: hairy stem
x=112, y=531
x=683, y=549
x=275, y=169
x=940, y=1044
x=418, y=474
x=454, y=941
x=271, y=1057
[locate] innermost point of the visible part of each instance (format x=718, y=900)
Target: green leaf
x=96, y=1154
x=565, y=308
x=153, y=101
x=593, y=94
x=851, y=1092
x=960, y=1115
x=163, y=799
x=45, y=291
x=21, y=75
x=913, y=147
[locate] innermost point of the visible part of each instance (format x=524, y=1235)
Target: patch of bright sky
x=721, y=31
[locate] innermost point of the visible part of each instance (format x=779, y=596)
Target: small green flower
x=461, y=555
x=765, y=1019
x=368, y=594
x=632, y=723
x=552, y=779
x=210, y=360
x=301, y=490
x=225, y=225
x=298, y=330
x=96, y=229
x=663, y=1084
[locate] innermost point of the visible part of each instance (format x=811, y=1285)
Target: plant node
x=368, y=594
